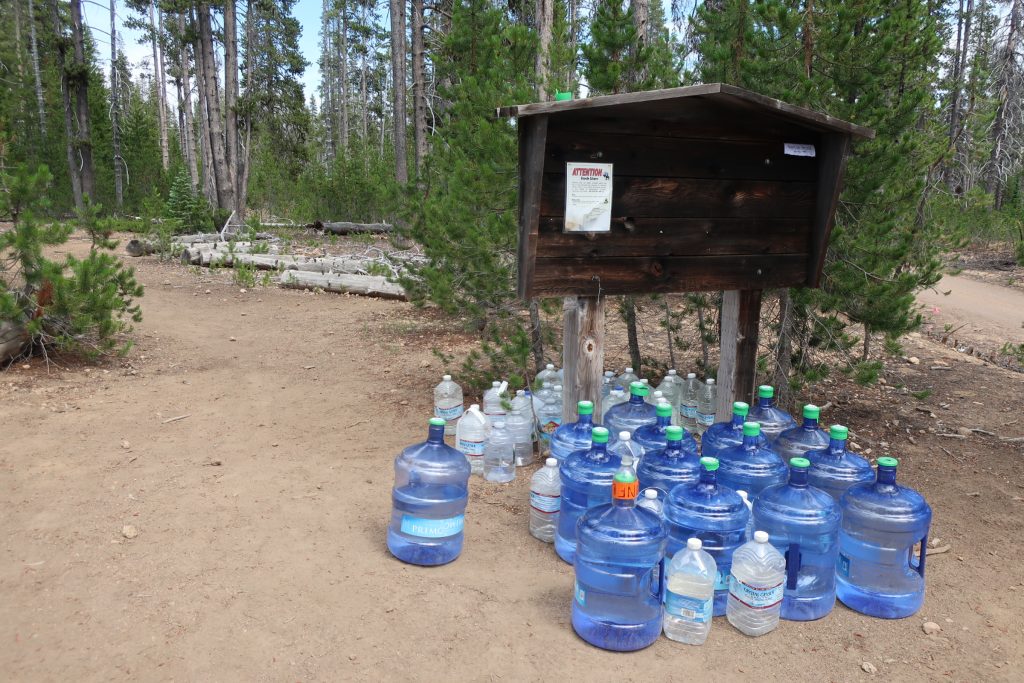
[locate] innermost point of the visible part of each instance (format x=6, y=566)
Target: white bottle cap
x=645, y=381
x=691, y=375
x=658, y=395
x=672, y=372
x=551, y=462
x=546, y=385
x=495, y=384
x=629, y=370
x=651, y=494
x=446, y=378
x=549, y=366
x=609, y=373
x=694, y=544
x=711, y=382
x=474, y=406
x=761, y=536
x=519, y=392
x=624, y=436
x=558, y=387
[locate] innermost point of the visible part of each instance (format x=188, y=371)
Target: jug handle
x=793, y=559
x=920, y=558
x=660, y=592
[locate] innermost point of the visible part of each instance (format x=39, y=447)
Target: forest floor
x=247, y=439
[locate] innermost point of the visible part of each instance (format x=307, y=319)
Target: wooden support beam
x=582, y=354
x=737, y=368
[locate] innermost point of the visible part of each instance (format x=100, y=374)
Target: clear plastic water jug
x=448, y=403
x=751, y=466
x=796, y=441
x=773, y=420
x=575, y=436
x=586, y=482
x=635, y=413
x=707, y=405
x=756, y=586
x=689, y=594
x=835, y=469
x=689, y=395
x=545, y=501
x=665, y=468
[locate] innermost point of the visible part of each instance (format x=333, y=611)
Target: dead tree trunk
x=231, y=97
x=344, y=75
x=419, y=86
x=224, y=184
x=115, y=112
x=189, y=132
x=398, y=89
x=243, y=178
x=35, y=67
x=198, y=56
x=65, y=91
x=83, y=141
x=158, y=74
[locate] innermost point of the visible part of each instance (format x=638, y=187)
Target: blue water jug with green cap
x=722, y=435
x=796, y=441
x=574, y=436
x=835, y=469
x=665, y=468
x=751, y=466
x=652, y=437
x=876, y=571
x=773, y=420
x=429, y=500
x=619, y=570
x=586, y=482
x=713, y=513
x=633, y=414
x=803, y=524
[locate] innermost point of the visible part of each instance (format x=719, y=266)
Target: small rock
x=914, y=360
x=352, y=658
x=207, y=291
x=934, y=542
x=232, y=339
x=930, y=627
x=26, y=366
x=854, y=445
x=129, y=531
x=243, y=291
x=425, y=364
x=869, y=668
x=964, y=431
x=167, y=282
x=125, y=444
x=274, y=445
x=912, y=440
x=403, y=403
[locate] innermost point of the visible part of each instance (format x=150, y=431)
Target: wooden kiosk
x=701, y=188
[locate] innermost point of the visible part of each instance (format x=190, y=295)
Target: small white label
x=794, y=149
x=706, y=419
x=448, y=414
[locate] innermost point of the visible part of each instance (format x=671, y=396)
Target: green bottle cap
x=437, y=422
x=740, y=408
x=585, y=408
x=802, y=463
x=674, y=433
x=562, y=96
x=751, y=429
x=812, y=412
x=638, y=388
x=599, y=435
x=664, y=410
x=710, y=464
x=838, y=432
x=766, y=391
x=888, y=462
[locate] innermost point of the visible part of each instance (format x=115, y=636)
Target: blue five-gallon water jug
x=773, y=420
x=633, y=414
x=803, y=523
x=665, y=468
x=882, y=523
x=652, y=437
x=429, y=501
x=574, y=436
x=619, y=571
x=835, y=469
x=586, y=482
x=795, y=441
x=751, y=467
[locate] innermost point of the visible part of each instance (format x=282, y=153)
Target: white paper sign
x=588, y=197
x=797, y=150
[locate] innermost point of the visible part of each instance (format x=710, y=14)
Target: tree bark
x=960, y=68
x=641, y=21
x=115, y=112
x=367, y=285
x=185, y=104
x=1004, y=93
x=419, y=85
x=231, y=96
x=327, y=78
x=807, y=38
x=161, y=84
x=344, y=76
x=628, y=308
x=65, y=91
x=243, y=179
x=398, y=51
x=83, y=141
x=224, y=184
x=35, y=67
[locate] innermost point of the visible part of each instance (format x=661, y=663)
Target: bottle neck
x=887, y=475
x=624, y=502
x=836, y=447
x=738, y=420
x=708, y=477
x=599, y=450
x=766, y=402
x=637, y=399
x=674, y=449
x=664, y=421
x=587, y=419
x=749, y=442
x=436, y=434
x=810, y=424
x=798, y=478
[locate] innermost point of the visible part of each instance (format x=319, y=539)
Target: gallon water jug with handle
x=689, y=594
x=796, y=441
x=803, y=522
x=773, y=420
x=626, y=379
x=545, y=501
x=575, y=436
x=548, y=374
x=471, y=433
x=751, y=466
x=429, y=501
x=494, y=400
x=714, y=514
x=619, y=571
x=876, y=572
x=448, y=403
x=755, y=586
x=586, y=482
x=835, y=469
x=635, y=413
x=652, y=437
x=665, y=468
x=722, y=435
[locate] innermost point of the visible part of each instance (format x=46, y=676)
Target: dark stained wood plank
x=587, y=103
x=832, y=165
x=532, y=137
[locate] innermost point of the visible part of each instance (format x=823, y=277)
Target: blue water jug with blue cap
x=665, y=468
x=633, y=414
x=751, y=466
x=808, y=436
x=575, y=436
x=773, y=420
x=876, y=571
x=834, y=469
x=586, y=482
x=429, y=501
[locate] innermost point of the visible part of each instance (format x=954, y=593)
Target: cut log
x=343, y=228
x=139, y=248
x=13, y=339
x=194, y=253
x=367, y=285
x=224, y=259
x=213, y=237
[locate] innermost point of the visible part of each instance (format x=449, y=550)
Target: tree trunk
x=807, y=38
x=327, y=78
x=784, y=351
x=641, y=21
x=209, y=184
x=115, y=112
x=65, y=91
x=223, y=181
x=628, y=308
x=419, y=86
x=161, y=85
x=185, y=104
x=960, y=67
x=398, y=51
x=231, y=97
x=35, y=67
x=363, y=93
x=243, y=179
x=344, y=76
x=83, y=140
x=1002, y=166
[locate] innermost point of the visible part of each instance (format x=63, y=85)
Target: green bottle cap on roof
x=585, y=408
x=710, y=464
x=751, y=429
x=802, y=463
x=838, y=432
x=766, y=391
x=888, y=462
x=664, y=410
x=740, y=408
x=599, y=435
x=812, y=412
x=674, y=433
x=562, y=96
x=638, y=388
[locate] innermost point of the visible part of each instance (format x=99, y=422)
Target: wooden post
x=582, y=354
x=737, y=368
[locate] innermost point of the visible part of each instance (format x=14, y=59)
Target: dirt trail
x=988, y=311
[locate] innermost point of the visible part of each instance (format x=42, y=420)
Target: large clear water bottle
x=520, y=429
x=523, y=402
x=448, y=403
x=665, y=468
x=607, y=384
x=690, y=594
x=619, y=564
x=624, y=447
x=722, y=435
x=803, y=522
x=756, y=586
x=615, y=397
x=652, y=437
x=650, y=500
x=471, y=437
x=575, y=436
x=688, y=397
x=796, y=441
x=545, y=501
x=835, y=469
x=494, y=397
x=629, y=416
x=499, y=455
x=429, y=501
x=751, y=466
x=707, y=404
x=882, y=522
x=586, y=481
x=541, y=395
x=549, y=419
x=773, y=420
x=549, y=374
x=669, y=387
x=713, y=513
x=626, y=379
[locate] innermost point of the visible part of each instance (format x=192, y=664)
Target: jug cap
x=710, y=464
x=663, y=410
x=585, y=408
x=599, y=435
x=638, y=388
x=766, y=391
x=437, y=422
x=812, y=412
x=651, y=494
x=549, y=366
x=761, y=536
x=751, y=429
x=888, y=462
x=551, y=462
x=801, y=463
x=740, y=408
x=691, y=375
x=673, y=433
x=694, y=544
x=446, y=378
x=838, y=432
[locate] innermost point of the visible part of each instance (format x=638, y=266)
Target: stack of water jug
x=762, y=519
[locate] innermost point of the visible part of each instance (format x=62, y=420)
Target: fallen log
x=224, y=259
x=345, y=228
x=194, y=254
x=367, y=285
x=13, y=339
x=139, y=248
x=213, y=237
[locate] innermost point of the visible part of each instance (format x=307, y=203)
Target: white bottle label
x=448, y=414
x=755, y=597
x=688, y=608
x=545, y=502
x=432, y=528
x=471, y=447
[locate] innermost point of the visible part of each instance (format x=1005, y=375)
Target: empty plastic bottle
x=575, y=436
x=626, y=379
x=803, y=522
x=689, y=394
x=629, y=416
x=835, y=469
x=519, y=429
x=541, y=395
x=523, y=402
x=556, y=391
x=429, y=501
x=751, y=466
x=669, y=387
x=707, y=404
x=882, y=522
x=713, y=513
x=586, y=481
x=650, y=500
x=607, y=383
x=619, y=564
x=549, y=418
x=796, y=441
x=756, y=586
x=722, y=435
x=545, y=501
x=493, y=397
x=773, y=420
x=548, y=374
x=750, y=507
x=690, y=594
x=499, y=455
x=448, y=403
x=665, y=468
x=471, y=437
x=624, y=446
x=652, y=437
x=615, y=397
x=654, y=397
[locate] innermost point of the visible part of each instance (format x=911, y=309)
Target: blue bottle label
x=722, y=580
x=689, y=412
x=688, y=608
x=448, y=414
x=471, y=446
x=432, y=528
x=580, y=594
x=755, y=597
x=706, y=419
x=844, y=565
x=543, y=502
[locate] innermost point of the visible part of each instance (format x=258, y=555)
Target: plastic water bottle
x=523, y=402
x=619, y=563
x=541, y=395
x=548, y=374
x=518, y=426
x=624, y=447
x=448, y=403
x=549, y=418
x=429, y=501
x=493, y=406
x=649, y=500
x=545, y=501
x=575, y=436
x=750, y=466
x=669, y=387
x=626, y=379
x=652, y=437
x=471, y=437
x=882, y=522
x=707, y=405
x=688, y=396
x=665, y=468
x=773, y=420
x=629, y=416
x=722, y=435
x=557, y=393
x=835, y=469
x=615, y=397
x=690, y=594
x=803, y=523
x=756, y=586
x=796, y=441
x=713, y=513
x=607, y=384
x=750, y=508
x=586, y=481
x=499, y=455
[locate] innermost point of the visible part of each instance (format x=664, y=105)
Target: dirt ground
x=260, y=515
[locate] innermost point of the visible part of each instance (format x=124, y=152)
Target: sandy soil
x=976, y=308
x=260, y=552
